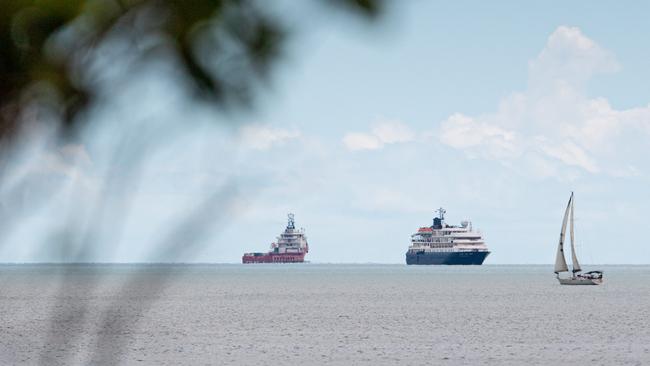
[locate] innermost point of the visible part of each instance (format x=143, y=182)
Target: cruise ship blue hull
x=450, y=258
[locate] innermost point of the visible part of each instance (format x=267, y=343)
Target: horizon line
x=306, y=263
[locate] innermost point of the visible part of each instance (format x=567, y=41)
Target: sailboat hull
x=579, y=281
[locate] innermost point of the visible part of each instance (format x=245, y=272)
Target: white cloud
x=383, y=133
x=361, y=141
x=260, y=137
x=462, y=132
x=570, y=56
x=391, y=132
x=50, y=166
x=553, y=123
x=570, y=154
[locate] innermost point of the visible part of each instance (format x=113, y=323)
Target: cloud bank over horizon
x=547, y=129
x=554, y=123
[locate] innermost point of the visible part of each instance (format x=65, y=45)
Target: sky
x=494, y=111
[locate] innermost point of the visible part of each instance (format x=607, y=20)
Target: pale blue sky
x=496, y=111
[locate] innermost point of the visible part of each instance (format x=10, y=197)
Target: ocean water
x=313, y=314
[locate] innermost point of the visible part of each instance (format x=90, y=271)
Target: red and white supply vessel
x=291, y=247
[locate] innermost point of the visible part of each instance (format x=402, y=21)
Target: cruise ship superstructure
x=446, y=244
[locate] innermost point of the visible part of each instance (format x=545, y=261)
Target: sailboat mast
x=574, y=257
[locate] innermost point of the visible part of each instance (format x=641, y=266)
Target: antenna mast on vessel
x=291, y=224
x=438, y=221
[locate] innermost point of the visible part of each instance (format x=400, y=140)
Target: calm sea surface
x=320, y=314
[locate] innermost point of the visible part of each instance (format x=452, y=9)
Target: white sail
x=560, y=262
x=574, y=258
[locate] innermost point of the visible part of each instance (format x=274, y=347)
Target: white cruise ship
x=446, y=244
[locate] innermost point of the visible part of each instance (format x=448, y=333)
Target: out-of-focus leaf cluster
x=224, y=47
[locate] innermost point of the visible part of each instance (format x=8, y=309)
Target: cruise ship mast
x=441, y=213
x=440, y=220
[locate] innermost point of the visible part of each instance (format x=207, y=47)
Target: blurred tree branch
x=223, y=46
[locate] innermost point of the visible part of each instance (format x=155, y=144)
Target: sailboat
x=577, y=278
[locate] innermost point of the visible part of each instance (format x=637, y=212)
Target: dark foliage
x=46, y=43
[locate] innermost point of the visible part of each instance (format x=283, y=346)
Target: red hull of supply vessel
x=272, y=258
x=291, y=247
